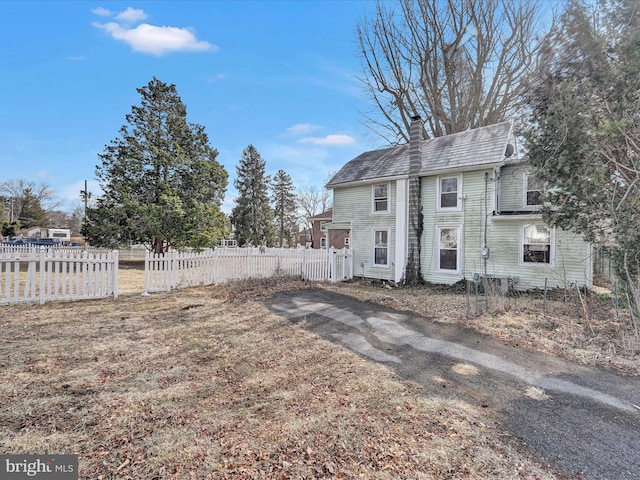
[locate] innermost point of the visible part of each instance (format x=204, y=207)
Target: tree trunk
x=158, y=245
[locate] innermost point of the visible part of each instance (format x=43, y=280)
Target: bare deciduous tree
x=42, y=193
x=312, y=201
x=457, y=63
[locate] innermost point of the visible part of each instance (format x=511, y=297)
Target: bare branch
x=458, y=63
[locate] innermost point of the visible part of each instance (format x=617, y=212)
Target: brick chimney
x=412, y=269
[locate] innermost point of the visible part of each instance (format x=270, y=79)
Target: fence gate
x=341, y=265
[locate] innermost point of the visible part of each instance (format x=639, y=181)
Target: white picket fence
x=41, y=274
x=188, y=269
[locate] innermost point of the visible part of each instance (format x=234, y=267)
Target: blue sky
x=280, y=75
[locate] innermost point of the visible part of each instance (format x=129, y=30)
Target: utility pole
x=86, y=199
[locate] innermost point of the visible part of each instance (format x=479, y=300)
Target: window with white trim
x=448, y=252
x=323, y=226
x=381, y=197
x=323, y=242
x=346, y=241
x=536, y=243
x=449, y=189
x=533, y=188
x=381, y=247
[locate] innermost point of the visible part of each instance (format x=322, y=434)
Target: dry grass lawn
x=209, y=383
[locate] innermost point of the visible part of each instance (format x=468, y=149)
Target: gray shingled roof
x=481, y=146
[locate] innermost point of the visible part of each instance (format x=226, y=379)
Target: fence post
x=468, y=298
x=303, y=272
x=43, y=266
x=147, y=273
x=115, y=272
x=85, y=273
x=173, y=271
x=216, y=265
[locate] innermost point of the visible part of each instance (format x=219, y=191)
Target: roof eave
x=367, y=181
x=467, y=168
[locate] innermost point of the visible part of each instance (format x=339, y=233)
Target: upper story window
x=381, y=197
x=323, y=226
x=449, y=189
x=532, y=191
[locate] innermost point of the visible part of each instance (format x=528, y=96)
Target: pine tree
x=252, y=216
x=584, y=139
x=31, y=213
x=285, y=208
x=161, y=181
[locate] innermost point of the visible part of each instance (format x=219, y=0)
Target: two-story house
x=461, y=206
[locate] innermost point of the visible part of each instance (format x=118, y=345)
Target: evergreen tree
x=31, y=212
x=161, y=181
x=10, y=229
x=252, y=216
x=585, y=135
x=4, y=209
x=285, y=208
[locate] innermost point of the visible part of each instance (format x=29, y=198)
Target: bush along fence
x=188, y=269
x=41, y=274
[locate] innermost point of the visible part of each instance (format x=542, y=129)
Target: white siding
x=512, y=188
x=470, y=219
x=354, y=204
x=571, y=262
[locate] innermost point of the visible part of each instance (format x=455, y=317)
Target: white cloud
x=131, y=15
x=329, y=140
x=218, y=76
x=103, y=12
x=155, y=40
x=302, y=129
x=147, y=38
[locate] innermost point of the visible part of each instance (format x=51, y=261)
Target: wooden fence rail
x=41, y=274
x=187, y=269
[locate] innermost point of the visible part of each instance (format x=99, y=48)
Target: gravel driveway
x=584, y=420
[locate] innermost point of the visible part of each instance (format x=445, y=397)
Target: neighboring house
x=323, y=237
x=480, y=208
x=304, y=238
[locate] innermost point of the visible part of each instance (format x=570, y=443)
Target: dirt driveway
x=581, y=419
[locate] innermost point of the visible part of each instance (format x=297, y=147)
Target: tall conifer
x=252, y=217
